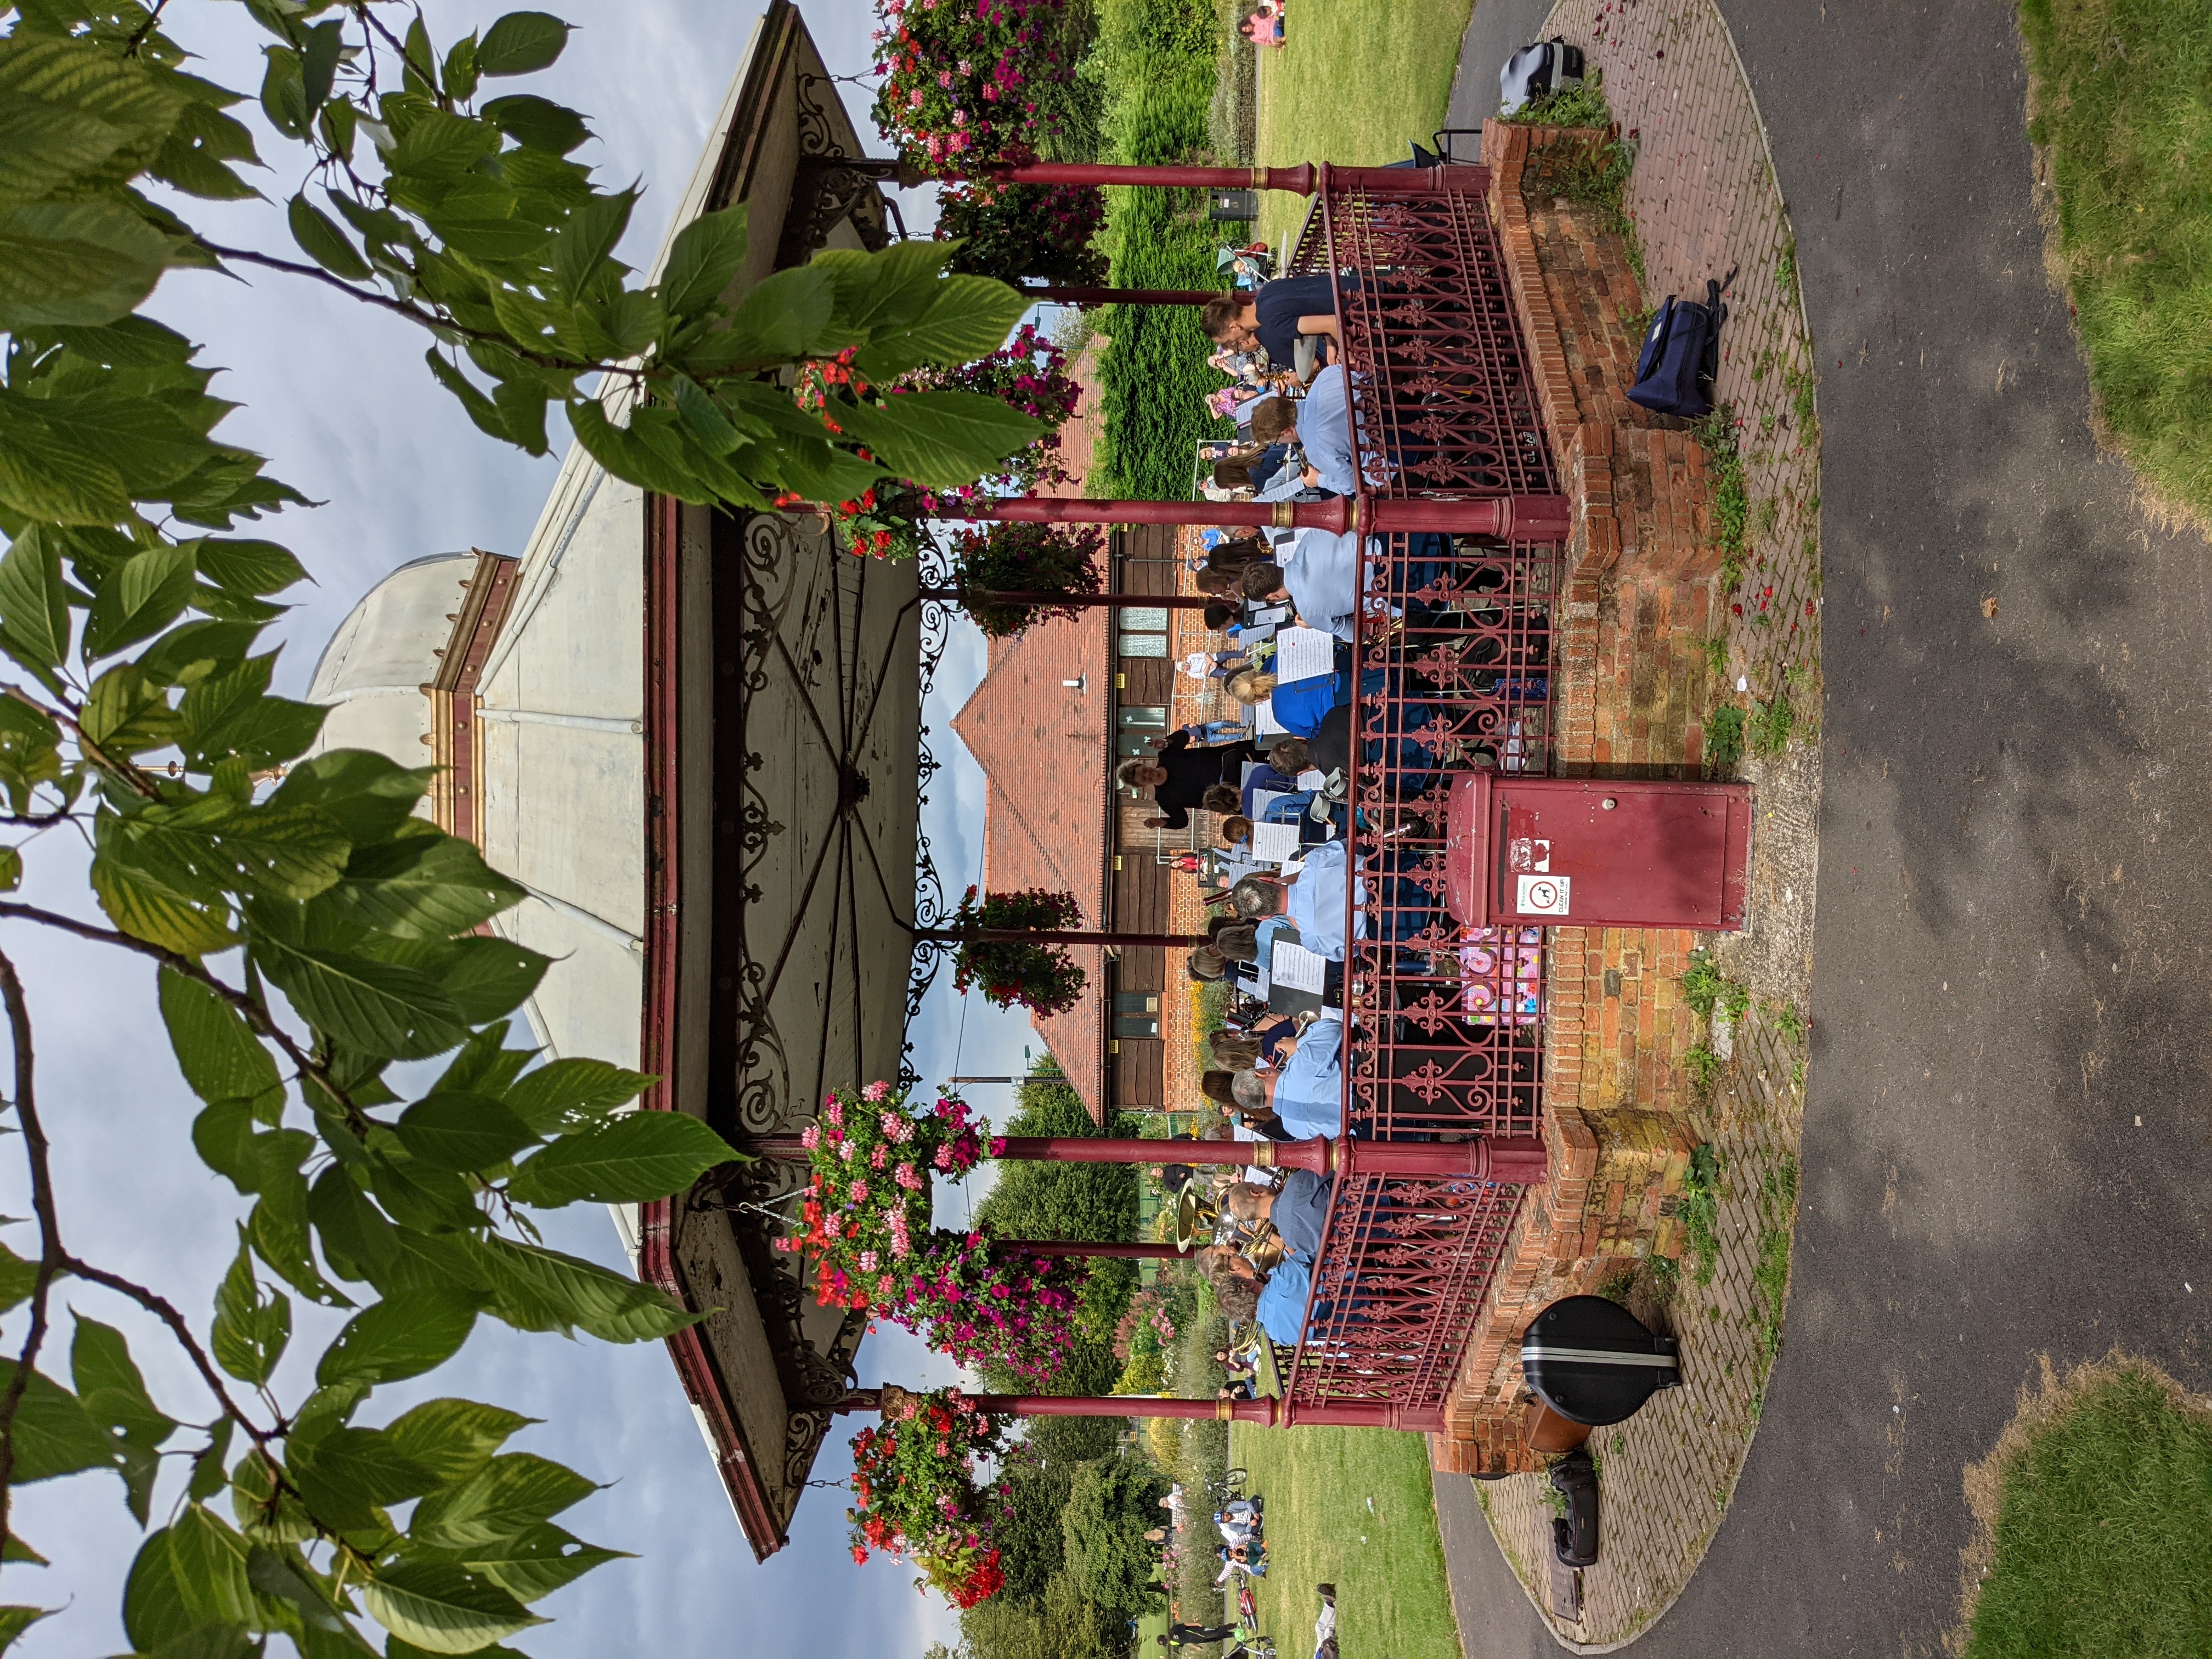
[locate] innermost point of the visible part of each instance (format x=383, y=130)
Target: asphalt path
x=2007, y=1141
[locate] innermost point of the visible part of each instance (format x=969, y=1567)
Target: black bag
x=1538, y=71
x=1574, y=1535
x=1593, y=1362
x=1681, y=356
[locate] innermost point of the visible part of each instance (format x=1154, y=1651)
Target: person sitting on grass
x=1263, y=30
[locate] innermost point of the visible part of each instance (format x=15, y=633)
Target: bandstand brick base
x=1631, y=689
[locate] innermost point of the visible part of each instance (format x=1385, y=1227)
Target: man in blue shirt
x=1306, y=1093
x=1298, y=1211
x=1283, y=1300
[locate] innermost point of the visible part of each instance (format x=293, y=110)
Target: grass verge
x=1351, y=1507
x=2099, y=1505
x=1352, y=81
x=2122, y=100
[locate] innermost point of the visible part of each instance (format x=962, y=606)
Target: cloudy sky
x=336, y=396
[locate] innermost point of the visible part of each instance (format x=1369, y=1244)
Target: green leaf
x=420, y=1196
x=627, y=1160
x=30, y=751
x=379, y=1007
x=510, y=1494
x=567, y=1095
x=533, y=1563
x=210, y=1565
x=193, y=156
x=212, y=1642
x=101, y=1367
x=460, y=72
x=970, y=318
x=621, y=453
x=283, y=95
x=45, y=474
x=146, y=906
x=441, y=1608
x=703, y=260
x=405, y=1334
x=442, y=146
x=207, y=1476
x=588, y=239
x=18, y=1279
x=367, y=795
x=54, y=1433
x=461, y=1132
x=368, y=1462
x=13, y=1621
x=318, y=62
x=891, y=289
x=248, y=567
x=252, y=1325
x=275, y=852
x=75, y=117
x=356, y=1235
x=223, y=1135
x=540, y=1289
x=321, y=240
x=704, y=419
x=126, y=711
x=537, y=124
x=76, y=262
x=33, y=597
x=216, y=1050
x=11, y=869
x=278, y=1228
x=141, y=599
x=154, y=1610
x=783, y=316
x=941, y=439
x=454, y=1439
x=521, y=42
x=425, y=887
x=487, y=978
x=288, y=1578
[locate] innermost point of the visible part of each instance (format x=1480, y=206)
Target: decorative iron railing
x=1453, y=658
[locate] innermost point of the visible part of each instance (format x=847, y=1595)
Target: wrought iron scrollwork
x=827, y=185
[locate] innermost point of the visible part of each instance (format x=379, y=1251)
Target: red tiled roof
x=1044, y=745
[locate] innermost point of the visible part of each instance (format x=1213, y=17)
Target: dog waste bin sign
x=1600, y=852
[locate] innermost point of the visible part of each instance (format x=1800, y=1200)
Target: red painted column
x=1506, y=517
x=1263, y=1412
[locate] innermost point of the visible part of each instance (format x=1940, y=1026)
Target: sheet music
x=1273, y=842
x=1303, y=654
x=1262, y=800
x=1295, y=968
x=1312, y=778
x=1263, y=719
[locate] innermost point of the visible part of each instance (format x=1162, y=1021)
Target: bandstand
x=696, y=738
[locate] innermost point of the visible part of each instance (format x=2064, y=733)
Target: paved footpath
x=2007, y=1143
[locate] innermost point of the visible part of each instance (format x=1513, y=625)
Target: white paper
x=1295, y=968
x=1270, y=616
x=1273, y=842
x=1263, y=719
x=1262, y=800
x=1312, y=778
x=1303, y=654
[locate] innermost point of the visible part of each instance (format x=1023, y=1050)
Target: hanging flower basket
x=1045, y=232
x=1043, y=978
x=1024, y=558
x=914, y=1475
x=865, y=1223
x=961, y=81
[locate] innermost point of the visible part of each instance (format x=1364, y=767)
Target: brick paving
x=1652, y=591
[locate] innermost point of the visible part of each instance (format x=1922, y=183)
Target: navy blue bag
x=1681, y=356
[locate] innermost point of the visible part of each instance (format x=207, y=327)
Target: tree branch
x=421, y=318
x=51, y=1258
x=256, y=1014
x=165, y=1310
x=139, y=783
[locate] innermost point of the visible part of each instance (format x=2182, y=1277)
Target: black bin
x=1593, y=1362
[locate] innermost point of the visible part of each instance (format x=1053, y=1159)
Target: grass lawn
x=2123, y=100
x=1355, y=79
x=1386, y=1562
x=2103, y=1545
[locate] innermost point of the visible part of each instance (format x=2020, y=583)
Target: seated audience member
x=1262, y=30
x=1181, y=772
x=1275, y=314
x=1215, y=1086
x=1298, y=1211
x=1217, y=615
x=1234, y=1051
x=1307, y=1091
x=1280, y=1305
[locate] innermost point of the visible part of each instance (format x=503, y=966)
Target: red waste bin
x=1600, y=852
